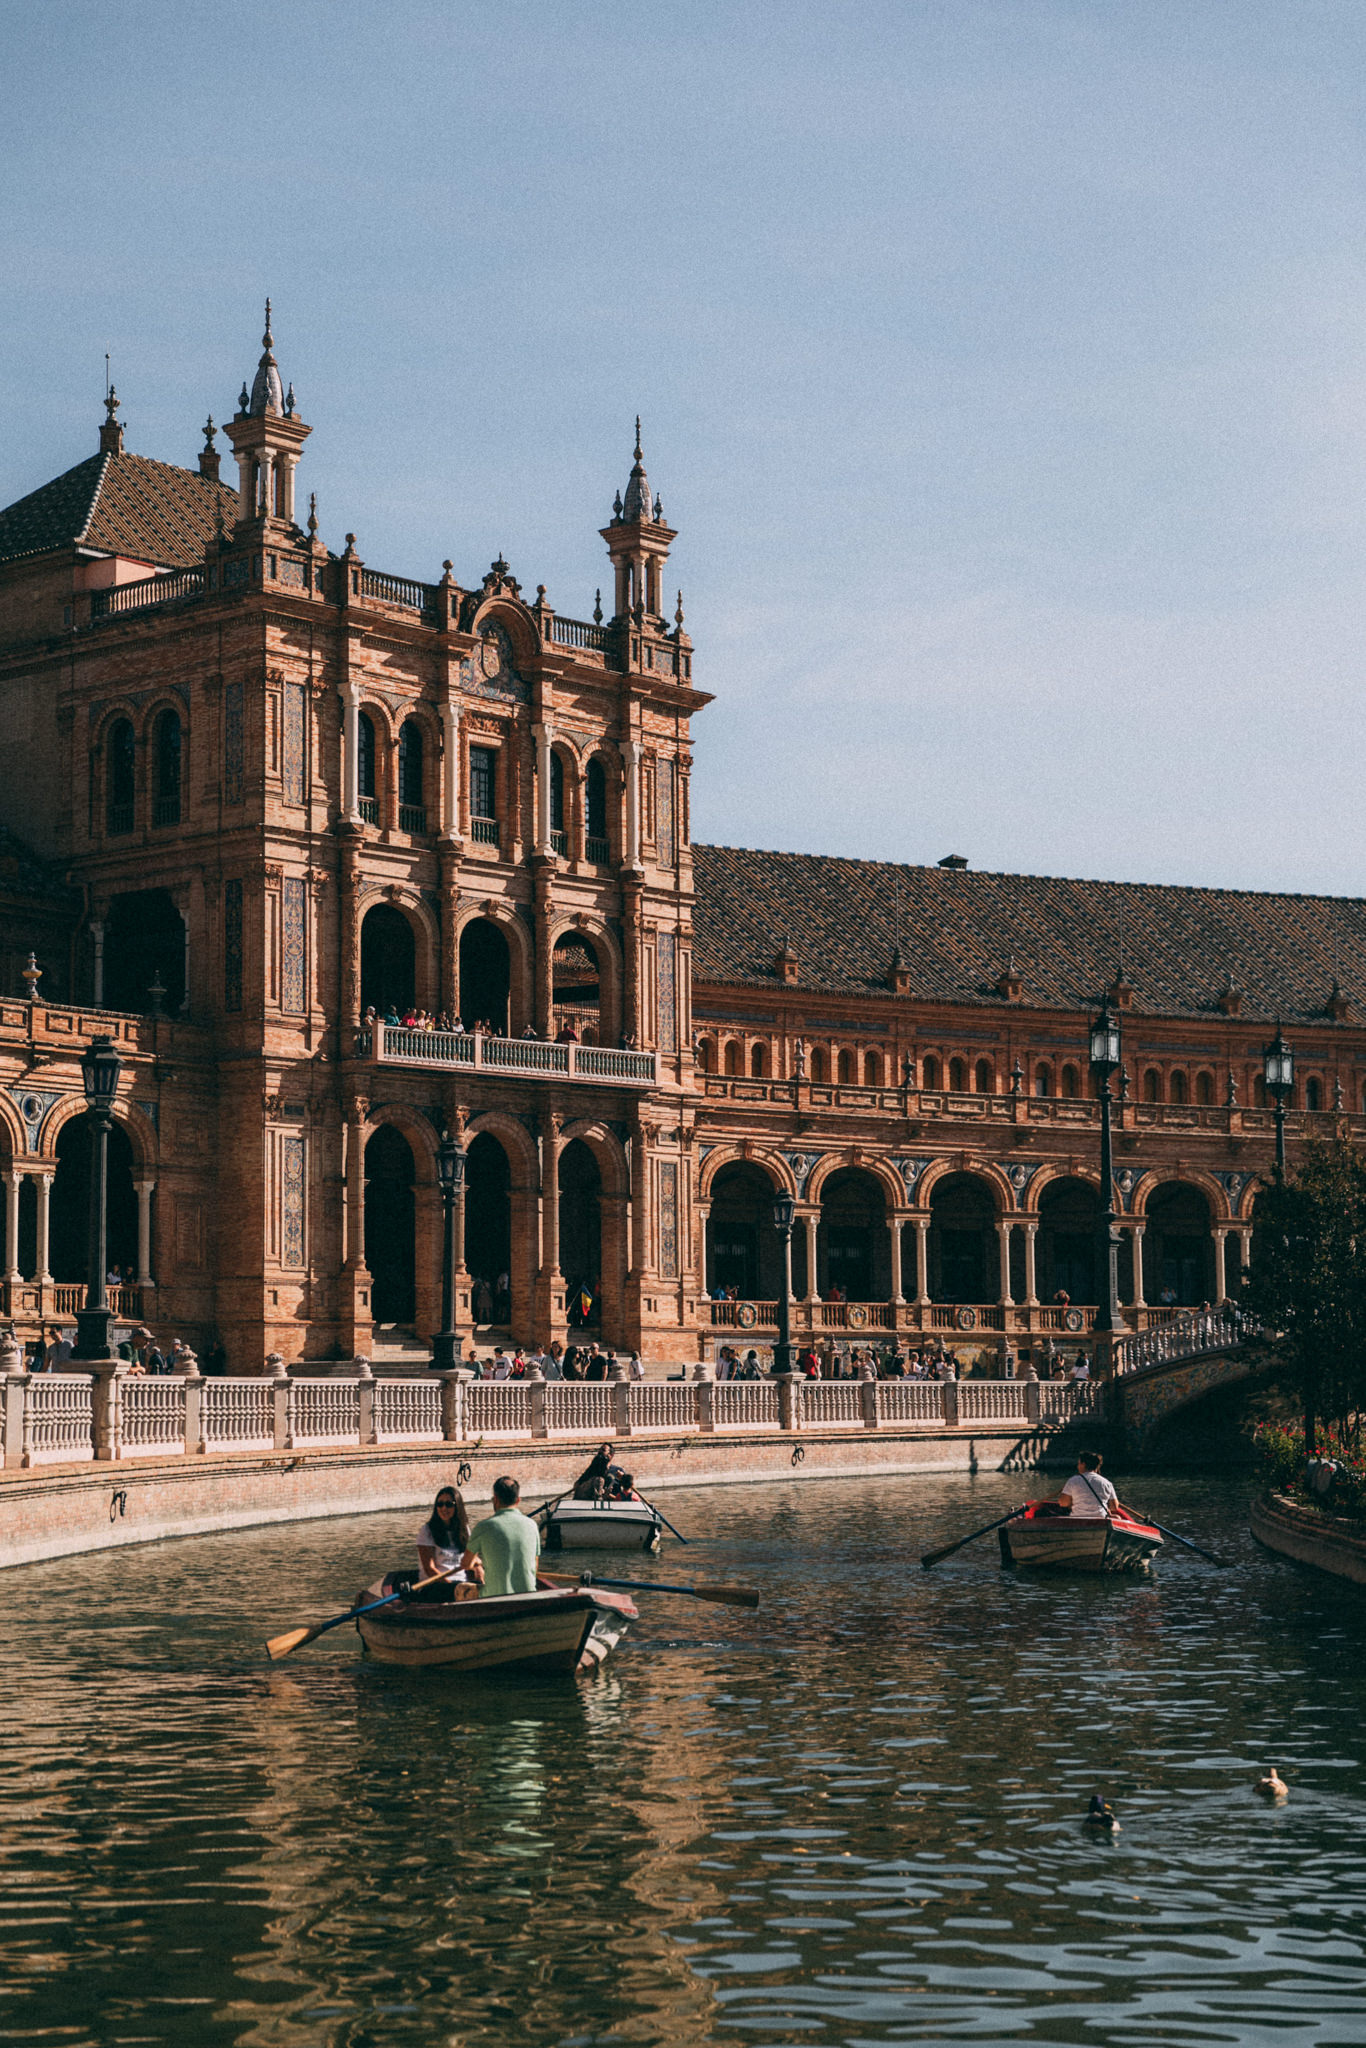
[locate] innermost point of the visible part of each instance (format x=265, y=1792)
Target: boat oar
x=552, y=1504
x=725, y=1596
x=938, y=1556
x=280, y=1646
x=1222, y=1562
x=663, y=1517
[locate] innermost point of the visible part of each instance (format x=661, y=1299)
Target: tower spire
x=111, y=432
x=638, y=542
x=267, y=437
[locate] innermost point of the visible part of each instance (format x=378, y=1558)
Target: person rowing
x=504, y=1547
x=1088, y=1496
x=602, y=1479
x=441, y=1543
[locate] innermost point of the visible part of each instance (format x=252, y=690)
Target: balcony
x=166, y=810
x=484, y=831
x=856, y=1319
x=531, y=1059
x=412, y=818
x=559, y=843
x=597, y=850
x=369, y=809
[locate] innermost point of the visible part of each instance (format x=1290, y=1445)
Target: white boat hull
x=602, y=1525
x=564, y=1631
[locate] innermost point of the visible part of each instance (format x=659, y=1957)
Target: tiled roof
x=121, y=505
x=959, y=930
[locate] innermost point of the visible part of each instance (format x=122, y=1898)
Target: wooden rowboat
x=573, y=1630
x=602, y=1525
x=1078, y=1543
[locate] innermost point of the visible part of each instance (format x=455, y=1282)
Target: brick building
x=258, y=790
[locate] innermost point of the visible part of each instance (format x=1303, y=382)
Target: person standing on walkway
x=507, y=1543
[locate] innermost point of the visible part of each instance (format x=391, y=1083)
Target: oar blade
x=293, y=1639
x=727, y=1596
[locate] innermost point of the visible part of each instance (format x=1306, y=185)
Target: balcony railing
x=148, y=593
x=402, y=590
x=166, y=810
x=598, y=850
x=484, y=831
x=559, y=843
x=412, y=818
x=579, y=633
x=924, y=1318
x=397, y=1045
x=369, y=809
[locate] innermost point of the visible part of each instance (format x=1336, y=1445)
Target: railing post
x=281, y=1390
x=106, y=1412
x=621, y=1401
x=1033, y=1403
x=535, y=1386
x=704, y=1397
x=789, y=1401
x=195, y=1444
x=13, y=1394
x=950, y=1387
x=867, y=1389
x=452, y=1406
x=365, y=1419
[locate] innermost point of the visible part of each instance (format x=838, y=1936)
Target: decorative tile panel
x=667, y=848
x=232, y=743
x=668, y=992
x=232, y=945
x=295, y=701
x=668, y=1219
x=292, y=944
x=292, y=1201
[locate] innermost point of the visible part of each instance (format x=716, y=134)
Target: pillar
x=812, y=1222
x=541, y=734
x=1220, y=1272
x=43, y=1191
x=97, y=942
x=630, y=754
x=1136, y=1231
x=12, y=1183
x=350, y=930
x=922, y=1260
x=550, y=1198
x=896, y=1260
x=450, y=781
x=351, y=747
x=1031, y=1276
x=1003, y=1249
x=448, y=865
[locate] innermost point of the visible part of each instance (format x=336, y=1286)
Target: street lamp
x=450, y=1172
x=784, y=1211
x=1278, y=1072
x=100, y=1070
x=1105, y=1058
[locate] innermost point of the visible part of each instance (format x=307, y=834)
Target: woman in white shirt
x=442, y=1541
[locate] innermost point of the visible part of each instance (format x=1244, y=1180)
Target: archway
x=581, y=1231
x=388, y=960
x=853, y=1249
x=485, y=974
x=743, y=1249
x=144, y=942
x=488, y=1229
x=963, y=1261
x=576, y=989
x=69, y=1214
x=390, y=1217
x=1069, y=1218
x=1177, y=1247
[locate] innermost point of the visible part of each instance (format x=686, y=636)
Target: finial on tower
x=267, y=391
x=111, y=433
x=208, y=454
x=638, y=506
x=678, y=612
x=313, y=515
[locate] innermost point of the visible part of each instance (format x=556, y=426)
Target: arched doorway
x=853, y=1250
x=1069, y=1218
x=388, y=961
x=485, y=976
x=581, y=1231
x=743, y=1251
x=488, y=1229
x=144, y=942
x=69, y=1214
x=577, y=988
x=390, y=1215
x=964, y=1265
x=1177, y=1247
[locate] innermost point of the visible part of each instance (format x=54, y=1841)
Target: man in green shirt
x=507, y=1542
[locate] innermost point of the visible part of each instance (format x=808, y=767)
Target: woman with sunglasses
x=441, y=1542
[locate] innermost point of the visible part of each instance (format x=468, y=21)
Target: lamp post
x=784, y=1210
x=1105, y=1058
x=450, y=1171
x=1278, y=1072
x=100, y=1070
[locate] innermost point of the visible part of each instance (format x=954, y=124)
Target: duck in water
x=1272, y=1785
x=1101, y=1815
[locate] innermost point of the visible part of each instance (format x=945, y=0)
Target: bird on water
x=1271, y=1784
x=1100, y=1814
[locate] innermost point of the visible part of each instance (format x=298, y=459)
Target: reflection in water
x=854, y=1817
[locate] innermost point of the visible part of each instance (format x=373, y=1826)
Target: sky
x=1002, y=366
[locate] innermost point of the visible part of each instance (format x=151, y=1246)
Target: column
x=12, y=1182
x=812, y=1222
x=550, y=1198
x=450, y=783
x=351, y=747
x=922, y=1259
x=1220, y=1273
x=896, y=1260
x=1136, y=1232
x=1245, y=1241
x=1031, y=1281
x=43, y=1191
x=350, y=930
x=630, y=754
x=1003, y=1248
x=541, y=734
x=97, y=942
x=144, y=1189
x=185, y=999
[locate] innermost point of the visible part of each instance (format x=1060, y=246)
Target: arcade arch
x=388, y=960
x=744, y=1251
x=391, y=1226
x=962, y=1246
x=853, y=1250
x=1178, y=1246
x=69, y=1212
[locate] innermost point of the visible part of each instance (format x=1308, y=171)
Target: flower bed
x=1341, y=1491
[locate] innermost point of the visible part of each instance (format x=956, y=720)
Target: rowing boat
x=1038, y=1535
x=570, y=1630
x=602, y=1525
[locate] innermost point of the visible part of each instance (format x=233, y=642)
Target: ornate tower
x=638, y=542
x=267, y=438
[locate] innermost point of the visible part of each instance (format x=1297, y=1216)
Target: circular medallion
x=1074, y=1319
x=858, y=1317
x=747, y=1315
x=31, y=1109
x=966, y=1319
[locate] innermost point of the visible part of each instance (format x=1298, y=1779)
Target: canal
x=854, y=1817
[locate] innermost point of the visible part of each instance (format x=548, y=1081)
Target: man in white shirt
x=1087, y=1496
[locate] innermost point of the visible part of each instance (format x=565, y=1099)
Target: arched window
x=120, y=784
x=1043, y=1080
x=958, y=1077
x=817, y=1063
x=1313, y=1093
x=1070, y=1085
x=846, y=1066
x=597, y=848
x=706, y=1056
x=558, y=839
x=1204, y=1090
x=733, y=1057
x=166, y=746
x=1152, y=1085
x=758, y=1061
x=929, y=1072
x=1180, y=1087
x=872, y=1070
x=982, y=1080
x=365, y=768
x=412, y=813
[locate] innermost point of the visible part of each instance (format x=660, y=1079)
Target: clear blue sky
x=1003, y=367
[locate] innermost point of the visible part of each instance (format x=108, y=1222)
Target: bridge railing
x=1185, y=1336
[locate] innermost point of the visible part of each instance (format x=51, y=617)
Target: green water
x=851, y=1818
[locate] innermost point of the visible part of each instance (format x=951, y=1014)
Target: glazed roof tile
x=120, y=505
x=959, y=928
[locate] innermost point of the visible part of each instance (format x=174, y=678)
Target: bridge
x=1158, y=1372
